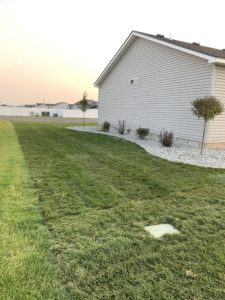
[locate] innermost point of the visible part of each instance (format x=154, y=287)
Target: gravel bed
x=213, y=158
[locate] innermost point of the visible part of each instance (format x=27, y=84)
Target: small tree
x=206, y=108
x=84, y=106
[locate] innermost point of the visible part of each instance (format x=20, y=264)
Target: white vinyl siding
x=168, y=80
x=216, y=132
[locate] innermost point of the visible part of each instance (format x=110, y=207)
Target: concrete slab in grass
x=157, y=231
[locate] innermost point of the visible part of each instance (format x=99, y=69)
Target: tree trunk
x=83, y=118
x=203, y=137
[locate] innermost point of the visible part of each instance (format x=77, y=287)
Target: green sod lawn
x=73, y=210
x=27, y=270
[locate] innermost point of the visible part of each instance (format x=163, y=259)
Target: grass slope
x=98, y=192
x=26, y=271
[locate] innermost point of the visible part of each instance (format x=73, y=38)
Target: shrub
x=167, y=138
x=142, y=133
x=106, y=126
x=121, y=127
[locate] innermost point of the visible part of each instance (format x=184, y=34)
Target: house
x=91, y=103
x=43, y=105
x=152, y=80
x=29, y=105
x=61, y=105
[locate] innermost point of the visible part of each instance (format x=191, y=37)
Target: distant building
x=62, y=105
x=29, y=105
x=92, y=104
x=58, y=105
x=43, y=105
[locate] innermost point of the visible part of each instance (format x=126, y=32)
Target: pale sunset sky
x=56, y=49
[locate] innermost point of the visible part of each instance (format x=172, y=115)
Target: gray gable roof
x=191, y=46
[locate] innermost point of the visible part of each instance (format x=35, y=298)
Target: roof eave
x=115, y=58
x=217, y=61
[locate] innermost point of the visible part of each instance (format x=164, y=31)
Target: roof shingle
x=191, y=46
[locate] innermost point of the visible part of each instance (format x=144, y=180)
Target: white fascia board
x=118, y=54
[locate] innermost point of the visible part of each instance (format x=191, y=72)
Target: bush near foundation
x=142, y=133
x=121, y=127
x=167, y=138
x=106, y=126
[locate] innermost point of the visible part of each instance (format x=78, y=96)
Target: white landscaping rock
x=214, y=158
x=157, y=231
